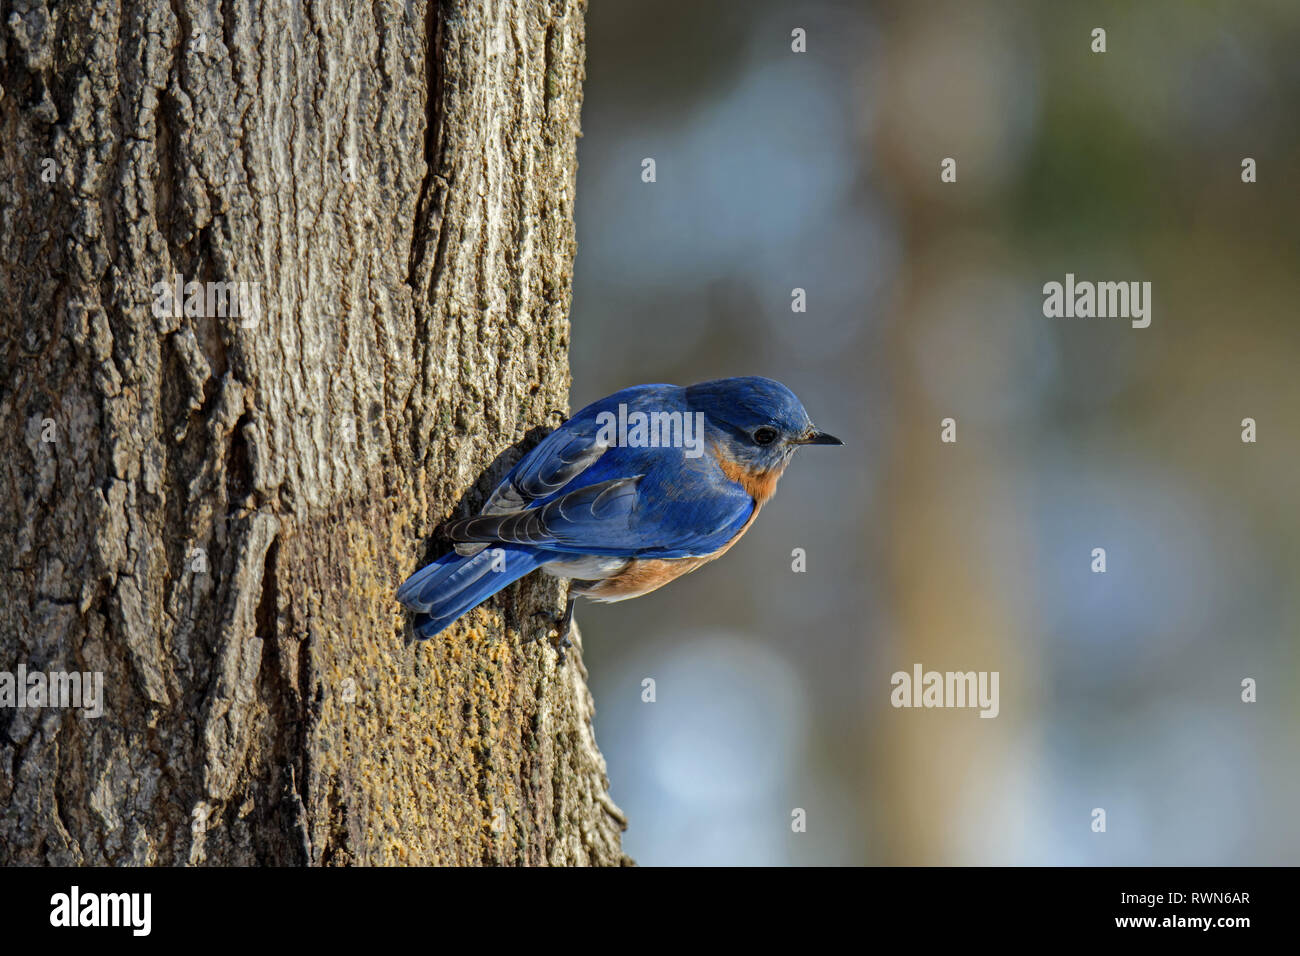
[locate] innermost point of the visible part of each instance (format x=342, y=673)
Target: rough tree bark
x=214, y=510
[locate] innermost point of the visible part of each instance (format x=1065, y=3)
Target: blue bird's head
x=755, y=422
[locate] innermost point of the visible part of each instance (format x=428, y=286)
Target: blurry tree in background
x=821, y=170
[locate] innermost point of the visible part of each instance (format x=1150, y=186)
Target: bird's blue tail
x=443, y=591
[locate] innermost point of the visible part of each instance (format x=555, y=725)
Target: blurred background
x=821, y=170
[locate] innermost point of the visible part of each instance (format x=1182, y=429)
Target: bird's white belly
x=586, y=567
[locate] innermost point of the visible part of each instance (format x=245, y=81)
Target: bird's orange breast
x=641, y=576
x=759, y=485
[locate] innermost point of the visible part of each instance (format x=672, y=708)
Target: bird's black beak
x=819, y=438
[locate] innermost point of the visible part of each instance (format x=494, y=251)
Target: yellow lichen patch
x=437, y=742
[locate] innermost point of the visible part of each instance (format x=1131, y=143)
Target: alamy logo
x=1103, y=300
x=239, y=300
x=103, y=909
x=946, y=689
x=55, y=689
x=652, y=430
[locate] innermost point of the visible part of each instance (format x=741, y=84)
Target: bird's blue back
x=685, y=506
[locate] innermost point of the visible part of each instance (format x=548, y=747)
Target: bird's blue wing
x=574, y=494
x=665, y=510
x=568, y=451
x=562, y=455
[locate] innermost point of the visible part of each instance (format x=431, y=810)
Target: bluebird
x=633, y=491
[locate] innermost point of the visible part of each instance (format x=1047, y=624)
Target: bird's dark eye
x=765, y=436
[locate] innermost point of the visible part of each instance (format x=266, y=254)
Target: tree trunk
x=214, y=510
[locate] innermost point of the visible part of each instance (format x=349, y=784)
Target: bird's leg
x=563, y=626
x=566, y=624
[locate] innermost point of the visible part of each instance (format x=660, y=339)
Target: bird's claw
x=562, y=626
x=559, y=646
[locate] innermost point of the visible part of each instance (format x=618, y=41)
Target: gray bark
x=214, y=511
